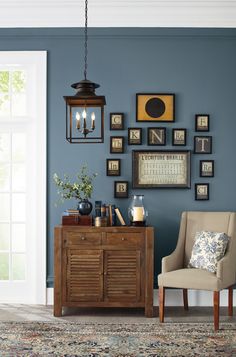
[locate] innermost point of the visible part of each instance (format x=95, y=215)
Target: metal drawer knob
x=83, y=238
x=123, y=238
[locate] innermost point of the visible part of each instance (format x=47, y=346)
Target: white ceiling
x=118, y=13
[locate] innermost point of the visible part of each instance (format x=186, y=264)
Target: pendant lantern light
x=85, y=110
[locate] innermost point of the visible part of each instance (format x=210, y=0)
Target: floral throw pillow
x=208, y=249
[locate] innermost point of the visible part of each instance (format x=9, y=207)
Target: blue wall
x=197, y=65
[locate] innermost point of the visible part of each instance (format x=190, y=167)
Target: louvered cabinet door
x=122, y=272
x=84, y=275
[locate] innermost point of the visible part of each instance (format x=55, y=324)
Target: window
x=22, y=176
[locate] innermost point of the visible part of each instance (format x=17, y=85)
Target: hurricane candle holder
x=137, y=212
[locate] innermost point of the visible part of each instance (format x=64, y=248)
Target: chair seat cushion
x=208, y=249
x=190, y=279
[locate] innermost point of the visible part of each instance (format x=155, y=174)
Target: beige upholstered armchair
x=175, y=273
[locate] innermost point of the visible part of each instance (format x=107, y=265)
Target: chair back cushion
x=203, y=221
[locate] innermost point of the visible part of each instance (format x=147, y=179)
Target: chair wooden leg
x=216, y=298
x=161, y=303
x=230, y=301
x=185, y=298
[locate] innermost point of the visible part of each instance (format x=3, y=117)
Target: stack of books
x=71, y=212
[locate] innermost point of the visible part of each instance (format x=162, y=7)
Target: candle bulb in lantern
x=77, y=120
x=84, y=115
x=93, y=121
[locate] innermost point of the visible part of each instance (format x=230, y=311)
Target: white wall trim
x=50, y=296
x=118, y=13
x=174, y=297
x=41, y=179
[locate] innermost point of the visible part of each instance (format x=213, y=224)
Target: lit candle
x=84, y=115
x=77, y=120
x=138, y=214
x=93, y=121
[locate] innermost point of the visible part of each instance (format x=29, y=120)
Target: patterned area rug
x=118, y=340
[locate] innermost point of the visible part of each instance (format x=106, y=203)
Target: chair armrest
x=173, y=261
x=226, y=269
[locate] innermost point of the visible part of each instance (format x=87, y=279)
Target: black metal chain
x=86, y=40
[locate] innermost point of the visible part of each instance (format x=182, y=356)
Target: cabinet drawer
x=80, y=238
x=124, y=239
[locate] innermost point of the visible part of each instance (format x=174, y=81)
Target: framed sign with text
x=161, y=169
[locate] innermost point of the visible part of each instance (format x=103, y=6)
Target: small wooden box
x=85, y=220
x=74, y=220
x=70, y=220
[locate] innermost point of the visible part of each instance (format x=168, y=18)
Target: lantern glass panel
x=81, y=127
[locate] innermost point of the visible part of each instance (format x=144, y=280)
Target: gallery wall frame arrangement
x=113, y=167
x=121, y=189
x=117, y=121
x=117, y=144
x=202, y=144
x=206, y=168
x=156, y=136
x=201, y=191
x=135, y=136
x=179, y=137
x=161, y=169
x=202, y=122
x=155, y=107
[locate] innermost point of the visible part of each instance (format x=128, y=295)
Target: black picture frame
x=121, y=189
x=157, y=169
x=207, y=168
x=202, y=144
x=202, y=122
x=155, y=107
x=112, y=171
x=178, y=140
x=202, y=191
x=156, y=136
x=119, y=117
x=115, y=147
x=132, y=140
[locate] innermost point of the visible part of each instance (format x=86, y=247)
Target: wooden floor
x=13, y=312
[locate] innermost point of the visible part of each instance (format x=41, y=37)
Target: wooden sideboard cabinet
x=103, y=267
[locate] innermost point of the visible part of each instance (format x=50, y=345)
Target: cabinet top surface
x=104, y=229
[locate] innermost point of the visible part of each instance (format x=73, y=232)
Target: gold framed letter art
x=206, y=168
x=201, y=191
x=116, y=144
x=156, y=136
x=121, y=189
x=113, y=167
x=117, y=121
x=134, y=136
x=202, y=122
x=151, y=107
x=161, y=169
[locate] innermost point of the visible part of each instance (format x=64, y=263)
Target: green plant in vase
x=81, y=189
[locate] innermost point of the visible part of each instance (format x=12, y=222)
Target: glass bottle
x=137, y=212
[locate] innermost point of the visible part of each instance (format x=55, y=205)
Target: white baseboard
x=173, y=297
x=50, y=294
